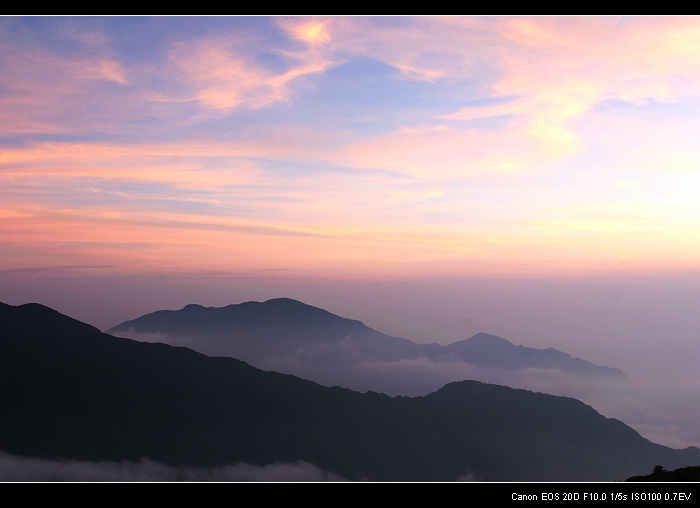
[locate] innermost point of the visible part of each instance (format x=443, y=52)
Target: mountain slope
x=69, y=391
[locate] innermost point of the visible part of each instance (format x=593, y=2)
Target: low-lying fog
x=14, y=468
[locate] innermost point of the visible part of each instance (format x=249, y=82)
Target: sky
x=531, y=177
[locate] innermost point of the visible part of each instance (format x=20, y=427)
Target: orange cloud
x=313, y=32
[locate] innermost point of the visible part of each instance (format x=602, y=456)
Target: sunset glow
x=350, y=146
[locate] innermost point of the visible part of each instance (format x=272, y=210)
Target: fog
x=15, y=468
x=646, y=324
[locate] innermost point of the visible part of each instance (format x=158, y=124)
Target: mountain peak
x=37, y=319
x=488, y=339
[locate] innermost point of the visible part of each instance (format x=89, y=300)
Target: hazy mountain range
x=289, y=336
x=69, y=391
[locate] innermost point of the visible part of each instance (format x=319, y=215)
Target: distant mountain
x=286, y=328
x=68, y=391
x=485, y=349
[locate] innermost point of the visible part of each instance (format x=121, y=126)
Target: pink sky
x=351, y=146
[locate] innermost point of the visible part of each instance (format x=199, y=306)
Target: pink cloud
x=224, y=77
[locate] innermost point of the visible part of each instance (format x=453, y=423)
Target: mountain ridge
x=238, y=329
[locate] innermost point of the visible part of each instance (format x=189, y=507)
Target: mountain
x=69, y=391
x=489, y=350
x=285, y=328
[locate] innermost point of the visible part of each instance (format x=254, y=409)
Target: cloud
x=105, y=69
x=469, y=476
x=558, y=68
x=224, y=76
x=313, y=32
x=23, y=469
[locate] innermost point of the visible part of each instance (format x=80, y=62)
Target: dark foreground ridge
x=282, y=327
x=69, y=391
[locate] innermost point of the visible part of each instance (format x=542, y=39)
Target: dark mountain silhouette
x=69, y=391
x=286, y=328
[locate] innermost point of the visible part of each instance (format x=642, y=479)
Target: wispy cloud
x=224, y=76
